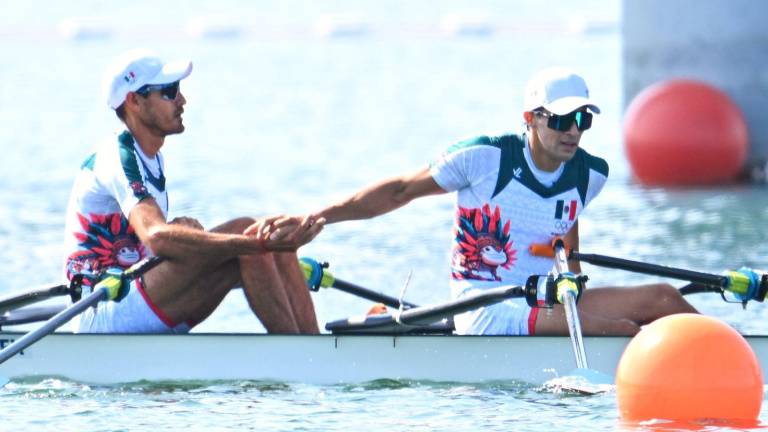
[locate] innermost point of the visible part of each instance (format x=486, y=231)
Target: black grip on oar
x=651, y=269
x=367, y=294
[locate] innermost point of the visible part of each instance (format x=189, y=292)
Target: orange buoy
x=689, y=367
x=684, y=132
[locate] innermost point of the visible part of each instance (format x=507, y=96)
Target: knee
x=665, y=293
x=240, y=224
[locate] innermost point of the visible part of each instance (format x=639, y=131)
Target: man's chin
x=176, y=130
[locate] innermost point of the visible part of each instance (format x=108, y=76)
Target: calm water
x=282, y=119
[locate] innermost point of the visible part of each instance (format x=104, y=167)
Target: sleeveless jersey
x=502, y=208
x=109, y=184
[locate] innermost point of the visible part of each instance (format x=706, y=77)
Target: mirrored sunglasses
x=167, y=91
x=563, y=123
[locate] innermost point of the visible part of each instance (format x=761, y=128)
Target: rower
x=118, y=216
x=512, y=191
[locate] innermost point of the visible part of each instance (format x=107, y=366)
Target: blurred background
x=295, y=104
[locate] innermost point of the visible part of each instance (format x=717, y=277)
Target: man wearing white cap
x=117, y=216
x=513, y=191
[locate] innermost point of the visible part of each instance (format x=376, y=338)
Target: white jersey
x=110, y=183
x=504, y=204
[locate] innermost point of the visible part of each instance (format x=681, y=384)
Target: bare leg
x=298, y=293
x=642, y=304
x=553, y=322
x=266, y=294
x=190, y=289
x=616, y=311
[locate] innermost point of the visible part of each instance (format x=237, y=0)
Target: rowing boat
x=411, y=343
x=314, y=359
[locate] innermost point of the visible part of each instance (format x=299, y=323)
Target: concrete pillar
x=721, y=42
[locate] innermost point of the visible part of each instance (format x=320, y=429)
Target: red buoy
x=684, y=132
x=689, y=367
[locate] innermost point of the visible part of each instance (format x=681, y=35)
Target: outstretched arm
x=382, y=197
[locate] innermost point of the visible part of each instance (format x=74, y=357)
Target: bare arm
x=571, y=240
x=189, y=239
x=382, y=197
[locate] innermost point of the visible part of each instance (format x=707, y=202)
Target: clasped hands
x=285, y=233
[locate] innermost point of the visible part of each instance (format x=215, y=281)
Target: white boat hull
x=315, y=359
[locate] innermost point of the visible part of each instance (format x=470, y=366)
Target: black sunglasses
x=167, y=91
x=562, y=123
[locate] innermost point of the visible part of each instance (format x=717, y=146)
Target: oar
x=318, y=276
x=569, y=303
x=734, y=281
x=101, y=292
x=27, y=298
x=590, y=381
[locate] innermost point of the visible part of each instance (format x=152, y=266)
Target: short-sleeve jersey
x=109, y=184
x=502, y=208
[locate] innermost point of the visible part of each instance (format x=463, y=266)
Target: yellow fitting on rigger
x=113, y=284
x=737, y=282
x=563, y=287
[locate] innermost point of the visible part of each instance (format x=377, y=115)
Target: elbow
x=156, y=240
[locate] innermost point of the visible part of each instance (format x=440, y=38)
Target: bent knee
x=664, y=291
x=235, y=226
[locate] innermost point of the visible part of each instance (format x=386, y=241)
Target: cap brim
x=570, y=104
x=172, y=72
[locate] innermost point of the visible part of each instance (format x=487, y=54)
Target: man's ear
x=528, y=117
x=131, y=102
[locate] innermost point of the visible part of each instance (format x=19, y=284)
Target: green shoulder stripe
x=510, y=159
x=89, y=162
x=597, y=164
x=481, y=140
x=130, y=165
x=580, y=166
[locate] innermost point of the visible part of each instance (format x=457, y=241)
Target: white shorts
x=135, y=313
x=510, y=317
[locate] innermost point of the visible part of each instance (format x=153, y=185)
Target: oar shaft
x=24, y=299
x=57, y=321
x=367, y=294
x=571, y=313
x=651, y=269
x=67, y=314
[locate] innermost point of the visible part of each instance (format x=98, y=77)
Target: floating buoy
x=689, y=367
x=685, y=132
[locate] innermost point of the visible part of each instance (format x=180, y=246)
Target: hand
x=285, y=233
x=567, y=283
x=187, y=222
x=744, y=283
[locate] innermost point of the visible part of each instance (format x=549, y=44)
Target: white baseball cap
x=559, y=91
x=137, y=68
